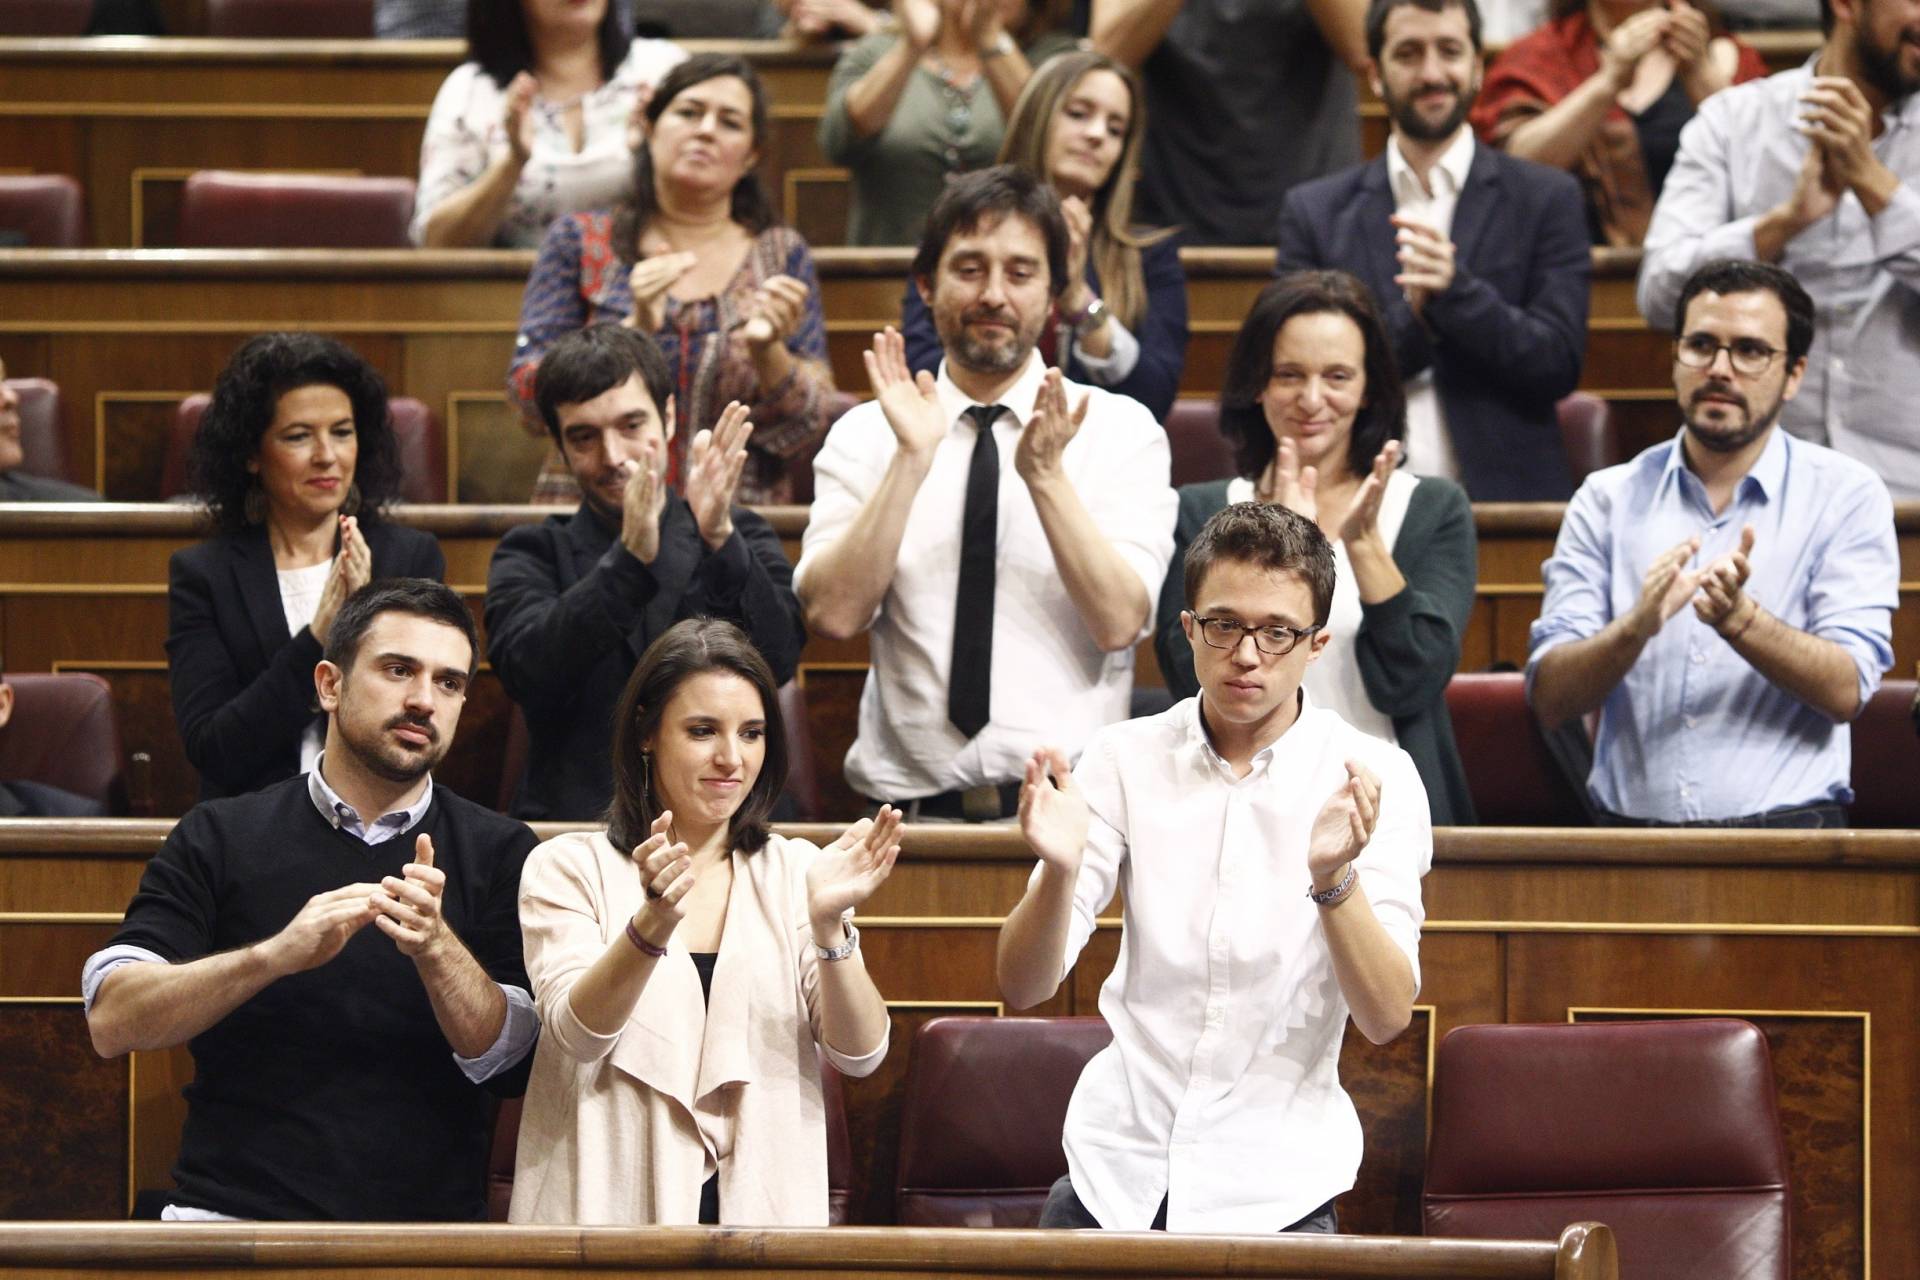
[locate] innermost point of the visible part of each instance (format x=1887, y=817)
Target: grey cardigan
x=1408, y=646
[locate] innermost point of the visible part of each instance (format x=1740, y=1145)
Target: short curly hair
x=245, y=395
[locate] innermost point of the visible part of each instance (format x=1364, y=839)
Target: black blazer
x=1505, y=342
x=569, y=612
x=242, y=687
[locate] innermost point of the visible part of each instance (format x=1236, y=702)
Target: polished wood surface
x=1814, y=936
x=1583, y=1252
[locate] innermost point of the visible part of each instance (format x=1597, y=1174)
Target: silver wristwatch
x=842, y=951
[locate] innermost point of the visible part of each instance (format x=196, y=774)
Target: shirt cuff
x=518, y=1031
x=1118, y=364
x=1896, y=228
x=103, y=962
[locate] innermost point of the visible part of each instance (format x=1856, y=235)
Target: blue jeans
x=1064, y=1210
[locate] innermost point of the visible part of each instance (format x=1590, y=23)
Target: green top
x=934, y=132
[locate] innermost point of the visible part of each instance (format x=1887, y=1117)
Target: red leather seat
x=980, y=1126
x=1666, y=1131
x=506, y=1139
x=291, y=19
x=41, y=210
x=1200, y=452
x=1886, y=760
x=1588, y=434
x=224, y=210
x=63, y=733
x=803, y=780
x=41, y=439
x=1511, y=771
x=417, y=434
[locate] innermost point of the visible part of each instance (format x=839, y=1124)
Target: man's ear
x=1373, y=77
x=1318, y=645
x=925, y=285
x=6, y=703
x=668, y=422
x=327, y=680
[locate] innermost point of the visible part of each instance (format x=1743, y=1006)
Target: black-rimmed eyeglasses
x=1276, y=639
x=1749, y=356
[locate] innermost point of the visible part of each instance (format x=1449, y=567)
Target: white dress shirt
x=1051, y=683
x=1221, y=1088
x=1739, y=157
x=1429, y=447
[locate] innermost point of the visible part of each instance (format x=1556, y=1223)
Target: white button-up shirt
x=1429, y=447
x=1221, y=1088
x=1051, y=683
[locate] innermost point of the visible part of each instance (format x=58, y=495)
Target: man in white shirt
x=1480, y=262
x=1004, y=602
x=1271, y=856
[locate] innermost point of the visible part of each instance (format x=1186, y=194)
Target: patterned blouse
x=466, y=132
x=581, y=279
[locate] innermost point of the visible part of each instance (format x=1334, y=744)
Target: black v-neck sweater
x=332, y=1094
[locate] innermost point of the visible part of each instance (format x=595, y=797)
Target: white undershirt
x=300, y=591
x=1429, y=447
x=1333, y=679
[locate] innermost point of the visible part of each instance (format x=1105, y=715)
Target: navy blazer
x=1506, y=340
x=1155, y=380
x=242, y=687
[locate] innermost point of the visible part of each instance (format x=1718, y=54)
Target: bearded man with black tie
x=1004, y=601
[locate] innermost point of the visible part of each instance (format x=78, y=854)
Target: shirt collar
x=1450, y=171
x=1018, y=399
x=1767, y=474
x=339, y=813
x=1202, y=746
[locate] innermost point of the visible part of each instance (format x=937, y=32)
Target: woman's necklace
x=959, y=115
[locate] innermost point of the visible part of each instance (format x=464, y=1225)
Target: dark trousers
x=1064, y=1210
x=1800, y=817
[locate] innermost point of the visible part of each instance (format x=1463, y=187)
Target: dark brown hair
x=982, y=198
x=684, y=650
x=751, y=206
x=1269, y=536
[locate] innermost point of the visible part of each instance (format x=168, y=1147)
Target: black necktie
x=970, y=683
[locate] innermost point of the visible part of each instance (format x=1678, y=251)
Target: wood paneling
x=64, y=1112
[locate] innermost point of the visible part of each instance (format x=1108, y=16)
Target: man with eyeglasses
x=1725, y=600
x=1271, y=855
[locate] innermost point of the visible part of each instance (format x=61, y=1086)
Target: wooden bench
x=1814, y=936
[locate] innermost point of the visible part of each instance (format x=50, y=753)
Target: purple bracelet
x=633, y=936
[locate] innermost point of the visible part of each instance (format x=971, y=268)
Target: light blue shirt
x=1740, y=157
x=517, y=1033
x=1694, y=733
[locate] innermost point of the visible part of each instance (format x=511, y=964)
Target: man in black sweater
x=341, y=1071
x=574, y=601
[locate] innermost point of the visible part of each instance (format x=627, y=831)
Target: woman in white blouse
x=536, y=124
x=687, y=962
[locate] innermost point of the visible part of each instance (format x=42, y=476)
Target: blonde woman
x=1121, y=322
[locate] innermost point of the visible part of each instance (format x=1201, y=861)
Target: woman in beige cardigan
x=683, y=987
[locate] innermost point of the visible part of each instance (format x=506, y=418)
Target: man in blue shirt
x=1725, y=600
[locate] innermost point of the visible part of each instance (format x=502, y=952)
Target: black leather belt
x=990, y=802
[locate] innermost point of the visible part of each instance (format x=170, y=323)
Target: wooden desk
x=1585, y=1251
x=1813, y=936
x=127, y=333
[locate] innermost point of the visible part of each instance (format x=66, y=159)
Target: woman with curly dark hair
x=1313, y=406
x=295, y=459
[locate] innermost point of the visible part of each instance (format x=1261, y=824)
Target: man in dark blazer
x=17, y=485
x=574, y=601
x=22, y=799
x=1480, y=262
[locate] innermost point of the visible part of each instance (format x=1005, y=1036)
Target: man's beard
x=983, y=357
x=383, y=759
x=1881, y=67
x=1724, y=440
x=1407, y=118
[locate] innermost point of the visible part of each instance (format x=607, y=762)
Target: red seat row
x=226, y=19
x=220, y=209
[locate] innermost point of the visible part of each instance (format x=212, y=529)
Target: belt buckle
x=981, y=804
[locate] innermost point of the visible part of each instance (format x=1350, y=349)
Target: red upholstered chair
x=1200, y=452
x=803, y=779
x=1588, y=434
x=800, y=465
x=45, y=17
x=224, y=210
x=291, y=19
x=506, y=1139
x=1886, y=760
x=417, y=434
x=980, y=1127
x=41, y=439
x=41, y=210
x=1512, y=772
x=63, y=733
x=1665, y=1131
